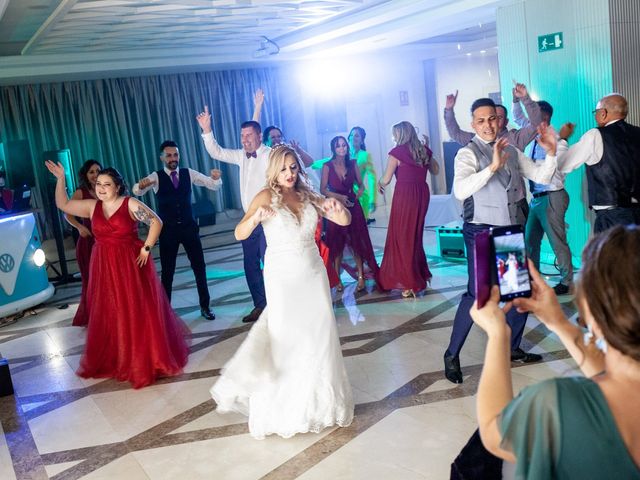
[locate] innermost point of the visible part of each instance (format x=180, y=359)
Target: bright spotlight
x=326, y=79
x=39, y=257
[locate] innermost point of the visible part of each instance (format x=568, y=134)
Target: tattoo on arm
x=143, y=216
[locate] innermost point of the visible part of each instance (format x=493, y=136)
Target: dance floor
x=410, y=422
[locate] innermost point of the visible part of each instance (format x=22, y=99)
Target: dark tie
x=252, y=154
x=174, y=179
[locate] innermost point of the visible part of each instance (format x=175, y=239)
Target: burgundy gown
x=404, y=264
x=83, y=255
x=355, y=235
x=133, y=333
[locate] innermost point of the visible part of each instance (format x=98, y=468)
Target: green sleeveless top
x=563, y=429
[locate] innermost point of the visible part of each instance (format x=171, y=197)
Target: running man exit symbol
x=552, y=41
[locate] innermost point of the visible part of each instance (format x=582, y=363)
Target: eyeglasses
x=598, y=109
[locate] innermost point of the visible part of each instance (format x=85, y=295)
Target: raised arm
x=73, y=221
x=140, y=212
x=522, y=137
x=519, y=117
x=78, y=208
x=307, y=159
x=259, y=210
x=258, y=101
x=216, y=151
x=451, y=123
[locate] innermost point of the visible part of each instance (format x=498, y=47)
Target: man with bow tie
x=488, y=179
x=172, y=186
x=253, y=159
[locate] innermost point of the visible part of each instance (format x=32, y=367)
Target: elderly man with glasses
x=611, y=153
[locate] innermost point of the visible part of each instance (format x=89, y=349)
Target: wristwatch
x=147, y=248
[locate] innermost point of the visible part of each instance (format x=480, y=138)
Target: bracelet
x=147, y=248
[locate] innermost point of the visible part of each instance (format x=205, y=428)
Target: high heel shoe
x=339, y=287
x=408, y=293
x=361, y=285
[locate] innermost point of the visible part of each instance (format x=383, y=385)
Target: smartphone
x=512, y=270
x=482, y=260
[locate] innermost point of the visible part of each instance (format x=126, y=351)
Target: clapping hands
x=499, y=155
x=547, y=138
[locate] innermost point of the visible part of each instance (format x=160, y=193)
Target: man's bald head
x=611, y=107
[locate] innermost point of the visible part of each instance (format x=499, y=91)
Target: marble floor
x=410, y=422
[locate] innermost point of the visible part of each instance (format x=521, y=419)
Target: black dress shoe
x=207, y=313
x=561, y=289
x=253, y=316
x=520, y=356
x=452, y=369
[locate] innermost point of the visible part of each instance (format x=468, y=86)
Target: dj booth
x=23, y=275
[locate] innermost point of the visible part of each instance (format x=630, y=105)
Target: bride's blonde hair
x=302, y=186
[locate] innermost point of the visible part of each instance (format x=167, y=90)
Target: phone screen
x=511, y=262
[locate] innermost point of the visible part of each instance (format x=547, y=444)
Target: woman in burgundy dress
x=404, y=264
x=88, y=175
x=133, y=334
x=339, y=176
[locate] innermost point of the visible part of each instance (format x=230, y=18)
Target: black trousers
x=606, y=219
x=462, y=322
x=253, y=249
x=189, y=236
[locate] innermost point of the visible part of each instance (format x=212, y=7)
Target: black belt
x=542, y=194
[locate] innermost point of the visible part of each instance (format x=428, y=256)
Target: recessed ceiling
x=89, y=38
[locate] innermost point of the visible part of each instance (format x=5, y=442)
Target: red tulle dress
x=133, y=333
x=83, y=256
x=326, y=258
x=404, y=264
x=354, y=235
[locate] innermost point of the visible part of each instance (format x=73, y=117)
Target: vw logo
x=6, y=263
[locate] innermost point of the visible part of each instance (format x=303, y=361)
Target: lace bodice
x=283, y=230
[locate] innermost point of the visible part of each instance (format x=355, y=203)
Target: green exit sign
x=552, y=41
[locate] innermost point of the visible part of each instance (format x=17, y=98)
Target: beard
x=172, y=165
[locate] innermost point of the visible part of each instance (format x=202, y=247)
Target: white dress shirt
x=197, y=179
x=468, y=178
x=253, y=171
x=537, y=153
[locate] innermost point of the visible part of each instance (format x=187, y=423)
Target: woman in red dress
x=88, y=175
x=339, y=177
x=133, y=334
x=404, y=264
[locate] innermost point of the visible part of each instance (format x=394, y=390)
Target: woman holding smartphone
x=573, y=427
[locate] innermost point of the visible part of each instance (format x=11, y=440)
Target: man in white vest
x=488, y=179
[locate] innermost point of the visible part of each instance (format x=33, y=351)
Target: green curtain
x=122, y=121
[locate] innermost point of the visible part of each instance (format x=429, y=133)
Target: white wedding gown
x=288, y=376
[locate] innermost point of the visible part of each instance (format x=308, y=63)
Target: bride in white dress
x=288, y=376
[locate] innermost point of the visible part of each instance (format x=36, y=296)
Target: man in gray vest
x=611, y=153
x=489, y=179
